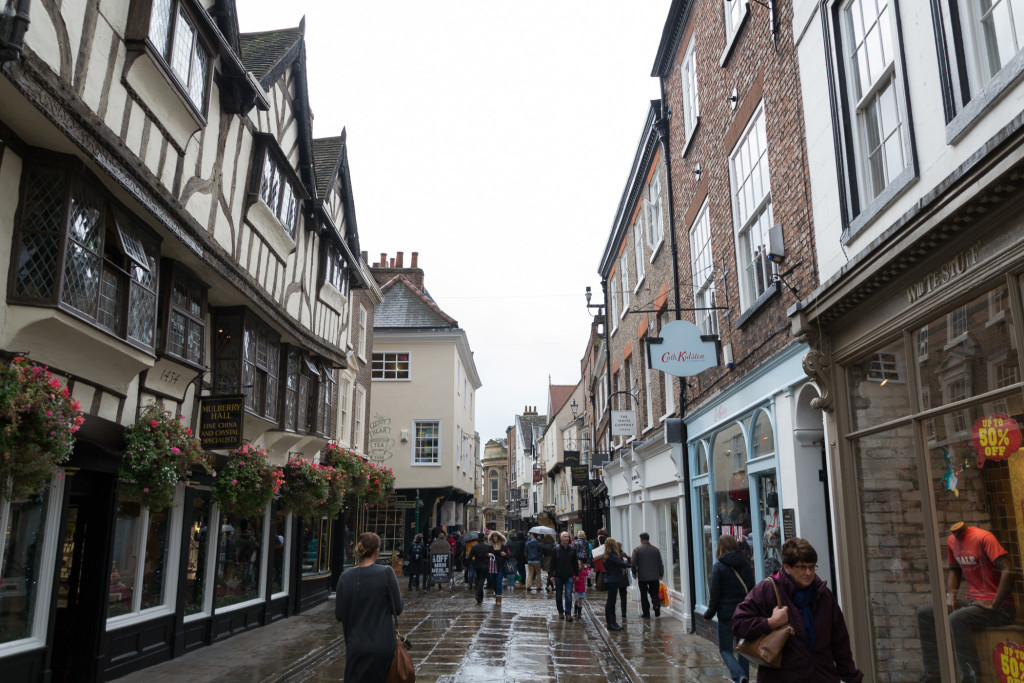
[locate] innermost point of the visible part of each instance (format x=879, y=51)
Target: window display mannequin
x=974, y=554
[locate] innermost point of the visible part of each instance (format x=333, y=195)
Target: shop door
x=82, y=579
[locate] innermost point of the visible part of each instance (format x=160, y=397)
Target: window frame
x=638, y=251
x=270, y=156
x=336, y=268
x=172, y=272
x=420, y=461
x=359, y=411
x=733, y=25
x=703, y=292
x=384, y=361
x=247, y=318
x=856, y=212
x=624, y=279
x=363, y=329
x=653, y=215
x=141, y=37
x=690, y=92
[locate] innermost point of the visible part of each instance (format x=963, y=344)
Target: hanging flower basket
x=160, y=451
x=39, y=420
x=350, y=466
x=245, y=485
x=380, y=483
x=306, y=488
x=335, y=492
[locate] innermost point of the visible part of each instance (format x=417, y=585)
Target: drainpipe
x=662, y=126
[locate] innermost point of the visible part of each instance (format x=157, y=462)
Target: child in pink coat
x=579, y=589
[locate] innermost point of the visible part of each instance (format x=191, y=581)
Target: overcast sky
x=495, y=139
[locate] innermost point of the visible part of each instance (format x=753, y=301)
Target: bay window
x=173, y=34
x=247, y=361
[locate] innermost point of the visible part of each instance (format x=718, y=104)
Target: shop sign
x=220, y=421
x=538, y=475
x=684, y=350
x=571, y=458
x=580, y=475
x=995, y=437
x=524, y=502
x=1008, y=660
x=623, y=423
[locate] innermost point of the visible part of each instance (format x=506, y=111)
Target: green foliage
x=159, y=453
x=246, y=484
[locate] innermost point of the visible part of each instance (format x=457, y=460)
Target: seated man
x=976, y=555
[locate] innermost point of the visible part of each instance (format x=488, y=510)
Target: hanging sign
x=571, y=458
x=580, y=475
x=220, y=421
x=995, y=437
x=623, y=423
x=684, y=350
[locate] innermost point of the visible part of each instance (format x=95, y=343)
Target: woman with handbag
x=499, y=552
x=796, y=601
x=368, y=599
x=731, y=580
x=615, y=569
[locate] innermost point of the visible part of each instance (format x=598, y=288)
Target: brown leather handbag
x=402, y=670
x=766, y=650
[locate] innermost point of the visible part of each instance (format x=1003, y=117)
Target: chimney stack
x=383, y=259
x=415, y=259
x=398, y=261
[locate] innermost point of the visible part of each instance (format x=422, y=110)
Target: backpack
x=416, y=551
x=583, y=553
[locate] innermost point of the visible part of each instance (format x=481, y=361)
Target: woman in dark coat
x=731, y=580
x=368, y=595
x=819, y=649
x=615, y=567
x=547, y=547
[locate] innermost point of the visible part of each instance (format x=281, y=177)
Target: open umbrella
x=542, y=530
x=470, y=536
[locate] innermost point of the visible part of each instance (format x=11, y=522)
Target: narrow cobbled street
x=454, y=639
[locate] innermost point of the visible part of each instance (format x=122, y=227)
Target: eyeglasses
x=805, y=567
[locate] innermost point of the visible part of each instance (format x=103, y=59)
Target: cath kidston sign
x=684, y=350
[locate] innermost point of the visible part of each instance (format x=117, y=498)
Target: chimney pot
x=415, y=259
x=383, y=259
x=398, y=261
x=392, y=262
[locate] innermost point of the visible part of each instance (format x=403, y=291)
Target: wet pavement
x=454, y=639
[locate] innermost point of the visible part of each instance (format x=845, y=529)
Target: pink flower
x=234, y=481
x=145, y=490
x=213, y=474
x=153, y=423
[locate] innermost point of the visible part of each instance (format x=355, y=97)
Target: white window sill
x=655, y=248
x=240, y=606
x=269, y=227
x=122, y=621
x=330, y=295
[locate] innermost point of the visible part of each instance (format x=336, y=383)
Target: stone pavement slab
x=454, y=639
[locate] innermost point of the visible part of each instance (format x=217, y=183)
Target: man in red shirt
x=975, y=555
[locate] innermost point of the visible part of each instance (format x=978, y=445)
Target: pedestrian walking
x=470, y=576
x=579, y=590
x=480, y=559
x=625, y=583
x=564, y=569
x=602, y=536
x=417, y=557
x=582, y=548
x=615, y=568
x=498, y=553
x=534, y=555
x=648, y=569
x=547, y=546
x=367, y=599
x=516, y=543
x=819, y=649
x=439, y=547
x=731, y=579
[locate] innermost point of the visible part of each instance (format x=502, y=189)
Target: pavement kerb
x=627, y=668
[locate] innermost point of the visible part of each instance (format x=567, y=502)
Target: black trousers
x=649, y=588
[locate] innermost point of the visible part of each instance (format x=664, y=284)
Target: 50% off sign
x=1008, y=659
x=995, y=437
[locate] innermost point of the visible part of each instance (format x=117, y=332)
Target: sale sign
x=1008, y=660
x=995, y=437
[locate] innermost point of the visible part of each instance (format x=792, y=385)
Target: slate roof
x=406, y=306
x=260, y=52
x=326, y=157
x=530, y=426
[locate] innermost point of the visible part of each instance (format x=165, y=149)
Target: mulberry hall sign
x=684, y=350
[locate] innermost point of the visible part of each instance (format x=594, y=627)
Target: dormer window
x=173, y=33
x=336, y=269
x=278, y=194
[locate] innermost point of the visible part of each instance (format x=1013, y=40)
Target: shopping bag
x=663, y=594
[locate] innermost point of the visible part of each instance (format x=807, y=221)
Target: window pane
x=141, y=314
x=278, y=535
x=197, y=81
x=181, y=51
x=238, y=560
x=198, y=551
x=125, y=562
x=705, y=521
x=878, y=387
x=311, y=545
x=19, y=570
x=732, y=488
x=160, y=25
x=154, y=566
x=111, y=295
x=762, y=437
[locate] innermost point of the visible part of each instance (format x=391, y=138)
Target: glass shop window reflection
x=198, y=551
x=239, y=559
x=22, y=546
x=138, y=568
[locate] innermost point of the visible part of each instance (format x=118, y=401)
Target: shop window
x=709, y=540
x=675, y=557
x=247, y=360
x=388, y=523
x=732, y=487
x=391, y=365
x=702, y=266
x=762, y=436
x=197, y=562
x=172, y=31
x=752, y=210
x=140, y=561
x=316, y=536
x=239, y=560
x=80, y=251
x=279, y=537
x=24, y=579
x=277, y=190
x=874, y=397
x=427, y=444
x=185, y=322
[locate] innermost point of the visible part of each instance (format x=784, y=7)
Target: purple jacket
x=831, y=660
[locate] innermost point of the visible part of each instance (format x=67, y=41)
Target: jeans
x=563, y=586
x=649, y=588
x=962, y=623
x=496, y=581
x=623, y=593
x=609, y=603
x=737, y=668
x=533, y=572
x=414, y=575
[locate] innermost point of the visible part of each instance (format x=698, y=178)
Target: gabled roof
x=530, y=427
x=558, y=394
x=266, y=52
x=407, y=306
x=326, y=162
